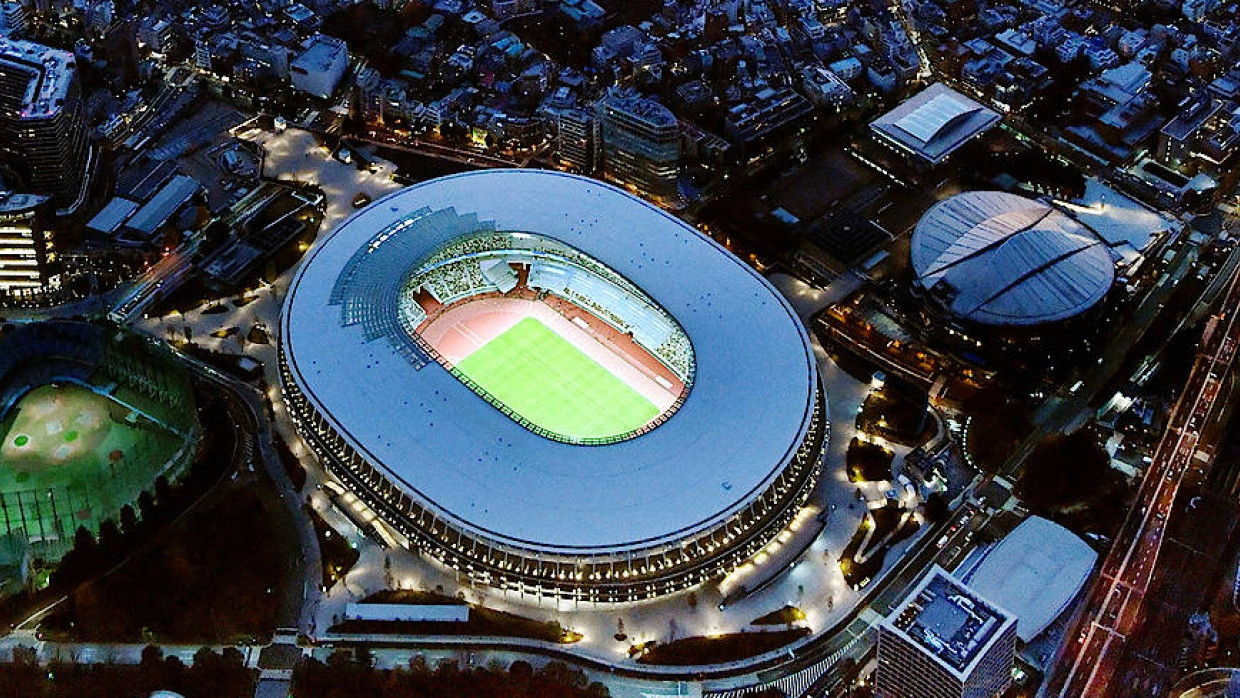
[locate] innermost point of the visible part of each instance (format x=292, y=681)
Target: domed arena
x=552, y=386
x=994, y=258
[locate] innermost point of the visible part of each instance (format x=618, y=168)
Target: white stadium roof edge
x=1000, y=259
x=1034, y=572
x=935, y=122
x=749, y=408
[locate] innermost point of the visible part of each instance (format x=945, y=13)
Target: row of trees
x=352, y=675
x=212, y=675
x=133, y=526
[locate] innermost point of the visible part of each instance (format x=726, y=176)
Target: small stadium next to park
x=90, y=417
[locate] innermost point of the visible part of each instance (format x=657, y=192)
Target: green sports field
x=545, y=379
x=70, y=456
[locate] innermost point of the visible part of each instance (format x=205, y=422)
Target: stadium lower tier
x=606, y=576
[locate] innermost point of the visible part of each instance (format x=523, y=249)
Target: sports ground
x=89, y=450
x=554, y=385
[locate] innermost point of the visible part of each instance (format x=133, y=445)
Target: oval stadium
x=552, y=386
x=998, y=259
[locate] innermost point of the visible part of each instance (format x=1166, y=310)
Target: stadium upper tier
x=628, y=519
x=482, y=263
x=1000, y=259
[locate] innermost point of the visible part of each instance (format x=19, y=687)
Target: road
x=296, y=607
x=1115, y=605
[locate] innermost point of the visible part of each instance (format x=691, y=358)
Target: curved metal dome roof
x=1035, y=572
x=1000, y=259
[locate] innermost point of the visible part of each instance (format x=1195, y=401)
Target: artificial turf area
x=542, y=377
x=70, y=455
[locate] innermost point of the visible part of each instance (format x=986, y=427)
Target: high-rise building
x=13, y=14
x=155, y=34
x=945, y=641
x=42, y=129
x=641, y=144
x=28, y=261
x=577, y=140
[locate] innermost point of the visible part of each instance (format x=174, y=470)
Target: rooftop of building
x=641, y=107
x=1000, y=259
x=949, y=621
x=13, y=202
x=51, y=72
x=321, y=52
x=1035, y=571
x=935, y=122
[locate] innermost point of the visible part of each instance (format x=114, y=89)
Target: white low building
x=318, y=69
x=1034, y=572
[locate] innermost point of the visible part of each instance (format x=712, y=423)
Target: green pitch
x=545, y=379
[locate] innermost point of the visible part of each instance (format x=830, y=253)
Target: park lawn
x=542, y=377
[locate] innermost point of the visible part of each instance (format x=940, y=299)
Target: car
x=361, y=199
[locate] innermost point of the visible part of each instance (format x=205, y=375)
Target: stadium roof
x=1035, y=572
x=935, y=122
x=749, y=409
x=1001, y=259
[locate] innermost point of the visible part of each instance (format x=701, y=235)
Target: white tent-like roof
x=1034, y=572
x=1000, y=259
x=925, y=124
x=934, y=123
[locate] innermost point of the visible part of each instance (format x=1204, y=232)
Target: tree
x=109, y=539
x=151, y=656
x=936, y=507
x=1064, y=470
x=163, y=491
x=129, y=519
x=520, y=669
x=82, y=557
x=146, y=506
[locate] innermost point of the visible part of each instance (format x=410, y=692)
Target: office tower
x=578, y=140
x=42, y=130
x=641, y=144
x=944, y=641
x=28, y=261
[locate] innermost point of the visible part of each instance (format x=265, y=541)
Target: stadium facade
x=382, y=331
